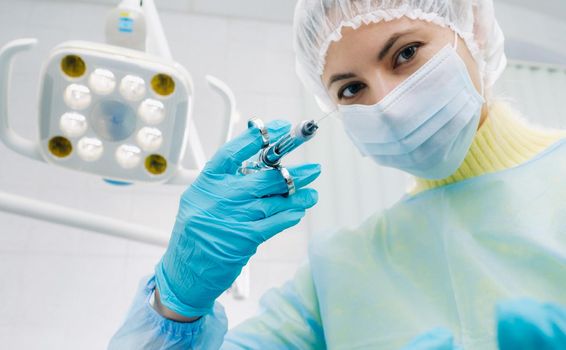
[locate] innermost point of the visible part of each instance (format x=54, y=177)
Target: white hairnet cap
x=319, y=22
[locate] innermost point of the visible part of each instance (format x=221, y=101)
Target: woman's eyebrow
x=391, y=41
x=384, y=51
x=338, y=77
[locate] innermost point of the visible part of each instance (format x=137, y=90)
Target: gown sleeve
x=288, y=319
x=146, y=329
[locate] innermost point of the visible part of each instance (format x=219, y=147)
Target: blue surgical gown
x=441, y=258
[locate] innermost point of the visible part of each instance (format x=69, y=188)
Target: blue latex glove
x=436, y=339
x=528, y=325
x=223, y=217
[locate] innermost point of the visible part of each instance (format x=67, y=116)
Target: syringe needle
x=325, y=116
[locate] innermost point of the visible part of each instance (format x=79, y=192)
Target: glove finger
x=272, y=225
x=303, y=199
x=527, y=324
x=253, y=209
x=229, y=157
x=436, y=339
x=271, y=182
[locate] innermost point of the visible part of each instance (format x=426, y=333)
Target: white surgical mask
x=425, y=126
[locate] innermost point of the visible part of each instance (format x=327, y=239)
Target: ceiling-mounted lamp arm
x=156, y=43
x=71, y=217
x=8, y=136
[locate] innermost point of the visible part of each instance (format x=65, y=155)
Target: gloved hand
x=528, y=325
x=436, y=339
x=223, y=217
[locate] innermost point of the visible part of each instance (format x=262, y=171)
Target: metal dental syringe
x=303, y=132
x=270, y=156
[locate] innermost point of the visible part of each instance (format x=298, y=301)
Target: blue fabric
x=426, y=125
x=443, y=258
x=145, y=329
x=289, y=319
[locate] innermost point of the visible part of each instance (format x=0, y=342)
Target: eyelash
x=348, y=86
x=396, y=57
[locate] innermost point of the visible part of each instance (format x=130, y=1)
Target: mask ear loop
x=455, y=41
x=481, y=78
x=482, y=87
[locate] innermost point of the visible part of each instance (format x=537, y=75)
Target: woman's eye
x=406, y=54
x=351, y=90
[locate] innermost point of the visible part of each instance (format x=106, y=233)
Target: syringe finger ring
x=251, y=167
x=258, y=124
x=288, y=181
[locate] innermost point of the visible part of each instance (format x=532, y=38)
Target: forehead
x=369, y=38
x=383, y=30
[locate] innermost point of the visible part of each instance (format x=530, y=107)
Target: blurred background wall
x=64, y=288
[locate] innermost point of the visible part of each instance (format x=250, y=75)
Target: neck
x=504, y=140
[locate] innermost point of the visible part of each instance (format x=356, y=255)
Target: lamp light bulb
x=102, y=81
x=128, y=156
x=77, y=96
x=90, y=149
x=132, y=88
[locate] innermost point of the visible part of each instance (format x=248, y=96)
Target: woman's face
x=367, y=63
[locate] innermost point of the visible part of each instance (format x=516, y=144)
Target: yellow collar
x=503, y=141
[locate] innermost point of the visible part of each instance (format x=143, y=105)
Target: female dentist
x=484, y=225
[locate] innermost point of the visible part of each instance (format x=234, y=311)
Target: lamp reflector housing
x=124, y=111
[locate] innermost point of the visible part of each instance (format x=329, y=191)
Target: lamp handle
x=8, y=136
x=231, y=113
x=231, y=116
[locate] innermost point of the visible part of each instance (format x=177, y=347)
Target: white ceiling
x=269, y=10
x=282, y=10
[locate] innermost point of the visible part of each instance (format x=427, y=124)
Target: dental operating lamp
x=121, y=110
x=114, y=110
